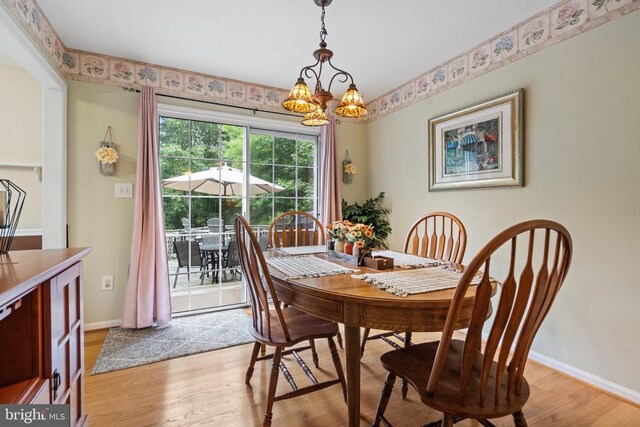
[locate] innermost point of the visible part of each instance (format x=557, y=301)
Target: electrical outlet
x=107, y=283
x=124, y=190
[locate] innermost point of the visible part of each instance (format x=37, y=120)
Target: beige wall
x=96, y=218
x=21, y=137
x=582, y=100
x=352, y=137
x=99, y=220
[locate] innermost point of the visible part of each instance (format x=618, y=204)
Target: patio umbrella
x=222, y=180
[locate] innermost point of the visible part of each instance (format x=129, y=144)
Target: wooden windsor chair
x=279, y=327
x=456, y=377
x=295, y=228
x=437, y=235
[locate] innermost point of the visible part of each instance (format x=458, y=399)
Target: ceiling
x=383, y=43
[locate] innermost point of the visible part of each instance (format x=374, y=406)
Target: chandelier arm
x=309, y=73
x=345, y=76
x=305, y=70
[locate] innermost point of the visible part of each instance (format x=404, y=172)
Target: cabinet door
x=67, y=342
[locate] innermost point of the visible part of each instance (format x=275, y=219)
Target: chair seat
x=302, y=327
x=414, y=364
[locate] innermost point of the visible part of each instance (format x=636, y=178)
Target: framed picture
x=480, y=146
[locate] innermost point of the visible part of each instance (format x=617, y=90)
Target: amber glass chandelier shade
x=315, y=118
x=352, y=104
x=300, y=99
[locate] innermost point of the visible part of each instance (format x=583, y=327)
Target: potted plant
x=373, y=214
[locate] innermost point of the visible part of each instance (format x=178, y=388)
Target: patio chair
x=187, y=260
x=210, y=250
x=215, y=225
x=232, y=261
x=186, y=224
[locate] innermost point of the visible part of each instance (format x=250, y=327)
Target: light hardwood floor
x=208, y=390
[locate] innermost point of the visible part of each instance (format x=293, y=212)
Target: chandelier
x=300, y=99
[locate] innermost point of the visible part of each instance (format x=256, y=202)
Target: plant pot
x=339, y=246
x=348, y=248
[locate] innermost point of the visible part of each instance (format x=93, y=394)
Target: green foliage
x=195, y=146
x=370, y=213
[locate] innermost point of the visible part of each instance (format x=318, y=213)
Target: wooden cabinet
x=41, y=328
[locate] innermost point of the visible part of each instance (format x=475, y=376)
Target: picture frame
x=479, y=146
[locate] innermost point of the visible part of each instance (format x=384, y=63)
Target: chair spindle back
x=438, y=235
x=524, y=302
x=257, y=275
x=295, y=228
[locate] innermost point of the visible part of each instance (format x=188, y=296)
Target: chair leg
x=175, y=279
x=263, y=350
x=447, y=420
x=405, y=383
x=365, y=335
x=338, y=365
x=314, y=354
x=252, y=362
x=339, y=338
x=519, y=419
x=273, y=384
x=384, y=398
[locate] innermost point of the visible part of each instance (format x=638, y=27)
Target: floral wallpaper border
x=97, y=68
x=109, y=70
x=29, y=15
x=557, y=23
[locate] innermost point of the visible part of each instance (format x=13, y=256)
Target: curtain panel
x=147, y=299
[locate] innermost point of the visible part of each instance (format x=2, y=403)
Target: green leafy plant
x=370, y=213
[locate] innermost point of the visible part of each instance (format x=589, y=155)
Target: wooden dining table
x=356, y=303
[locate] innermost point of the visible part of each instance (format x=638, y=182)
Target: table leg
x=352, y=350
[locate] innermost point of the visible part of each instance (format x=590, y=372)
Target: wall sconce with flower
x=348, y=170
x=107, y=154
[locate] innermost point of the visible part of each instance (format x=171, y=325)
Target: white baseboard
x=579, y=374
x=28, y=232
x=101, y=325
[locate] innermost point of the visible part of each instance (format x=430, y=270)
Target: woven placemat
x=418, y=281
x=300, y=267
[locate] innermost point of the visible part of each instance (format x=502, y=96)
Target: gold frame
x=516, y=178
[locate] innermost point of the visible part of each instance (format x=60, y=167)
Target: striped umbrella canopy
x=469, y=142
x=222, y=180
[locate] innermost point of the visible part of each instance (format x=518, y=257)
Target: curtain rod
x=255, y=110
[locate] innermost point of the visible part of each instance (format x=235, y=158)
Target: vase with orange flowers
x=362, y=237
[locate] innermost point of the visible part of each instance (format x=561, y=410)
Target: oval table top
x=328, y=296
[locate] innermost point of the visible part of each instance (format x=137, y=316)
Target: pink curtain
x=147, y=300
x=330, y=195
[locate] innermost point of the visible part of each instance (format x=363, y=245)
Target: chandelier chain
x=323, y=30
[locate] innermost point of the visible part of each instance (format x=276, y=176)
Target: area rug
x=126, y=348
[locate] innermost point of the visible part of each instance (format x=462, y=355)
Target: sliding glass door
x=212, y=171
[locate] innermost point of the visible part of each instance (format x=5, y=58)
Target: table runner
x=402, y=260
x=418, y=281
x=303, y=250
x=302, y=266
